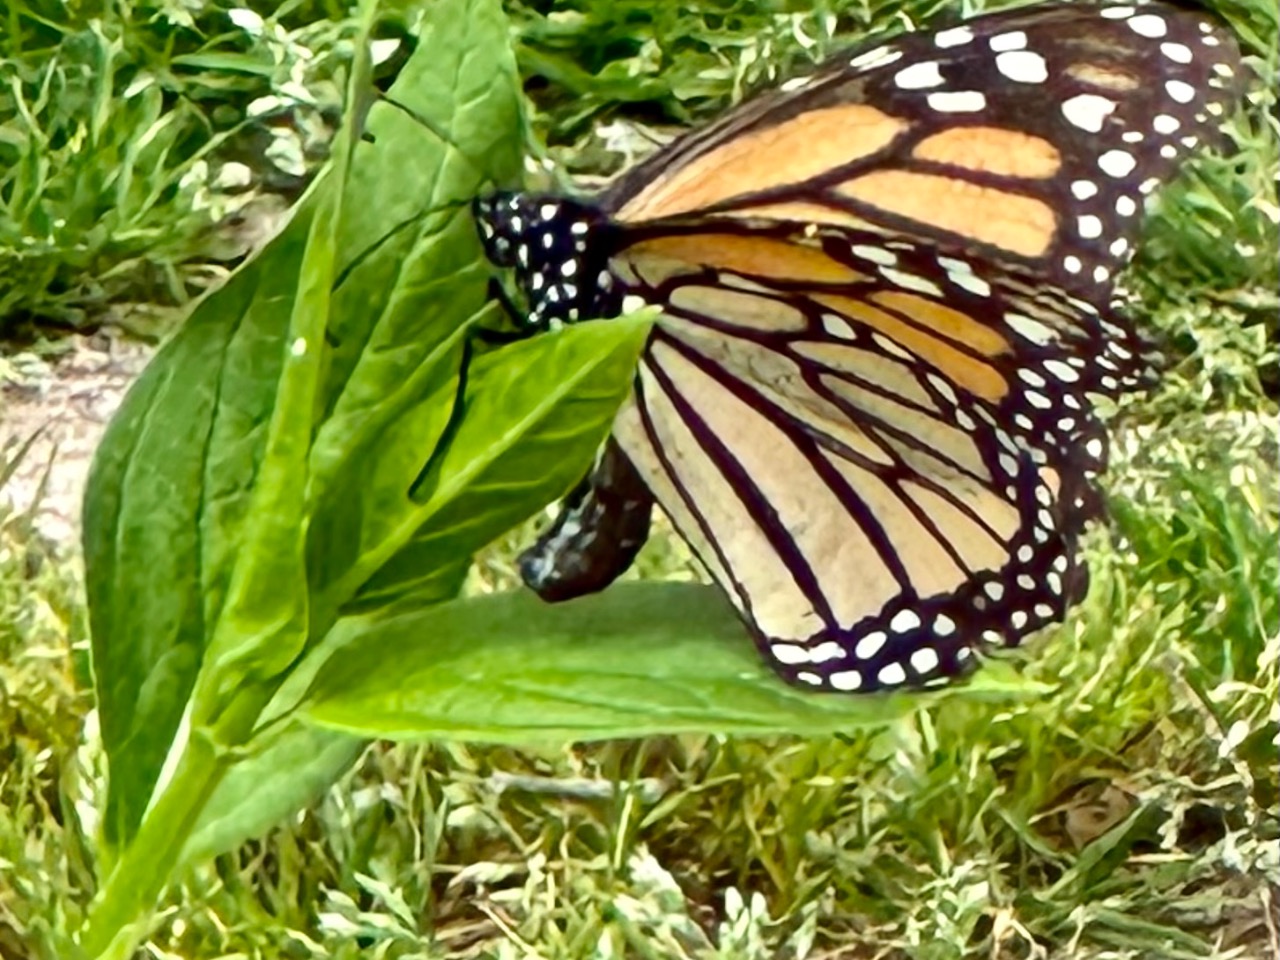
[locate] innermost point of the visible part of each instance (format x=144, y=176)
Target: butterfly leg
x=476, y=335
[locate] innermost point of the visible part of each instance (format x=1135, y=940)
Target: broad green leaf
x=289, y=764
x=263, y=625
x=289, y=768
x=168, y=511
x=160, y=481
x=534, y=414
x=638, y=659
x=423, y=277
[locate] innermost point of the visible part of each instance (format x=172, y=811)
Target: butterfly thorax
x=558, y=249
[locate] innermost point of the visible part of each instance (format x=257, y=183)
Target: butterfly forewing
x=1029, y=137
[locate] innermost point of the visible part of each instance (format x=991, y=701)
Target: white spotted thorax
x=556, y=248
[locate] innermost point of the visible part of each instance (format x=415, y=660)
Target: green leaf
x=422, y=278
x=285, y=770
x=638, y=659
x=289, y=763
x=183, y=480
x=170, y=471
x=535, y=413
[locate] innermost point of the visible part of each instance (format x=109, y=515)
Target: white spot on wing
x=870, y=645
x=1088, y=111
x=838, y=327
x=1177, y=52
x=954, y=37
x=1117, y=163
x=1013, y=40
x=924, y=660
x=1148, y=25
x=970, y=282
x=919, y=76
x=1023, y=66
x=1033, y=330
x=957, y=101
x=846, y=680
x=878, y=255
x=789, y=653
x=909, y=281
x=1180, y=90
x=1060, y=370
x=1089, y=226
x=904, y=620
x=892, y=675
x=891, y=348
x=943, y=388
x=1084, y=189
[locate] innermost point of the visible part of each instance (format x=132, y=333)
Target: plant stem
x=117, y=920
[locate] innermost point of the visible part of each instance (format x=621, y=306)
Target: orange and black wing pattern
x=885, y=293
x=1029, y=138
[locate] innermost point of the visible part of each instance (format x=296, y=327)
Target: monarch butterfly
x=885, y=293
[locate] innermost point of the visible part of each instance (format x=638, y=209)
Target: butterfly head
x=557, y=249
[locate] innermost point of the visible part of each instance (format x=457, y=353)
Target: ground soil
x=64, y=402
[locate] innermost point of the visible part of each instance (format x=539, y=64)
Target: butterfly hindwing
x=843, y=474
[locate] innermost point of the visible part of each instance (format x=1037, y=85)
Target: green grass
x=1132, y=812
x=126, y=142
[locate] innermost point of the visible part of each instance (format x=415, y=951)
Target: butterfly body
x=885, y=295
